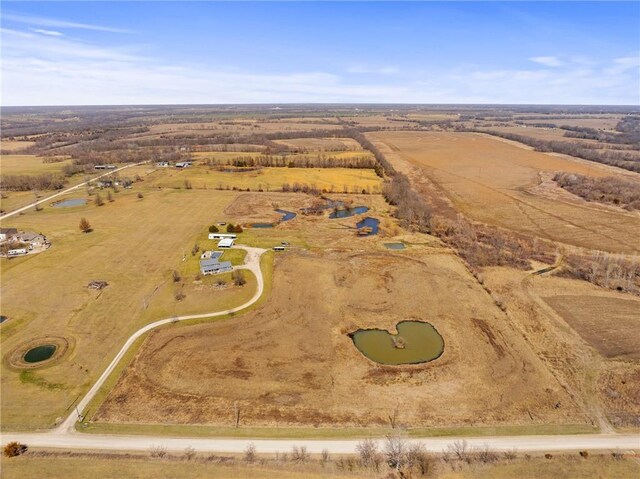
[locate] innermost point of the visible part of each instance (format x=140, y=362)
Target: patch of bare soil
x=292, y=363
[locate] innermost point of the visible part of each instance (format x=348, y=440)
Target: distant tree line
x=622, y=159
x=608, y=190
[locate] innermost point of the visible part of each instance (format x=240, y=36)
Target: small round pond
x=70, y=202
x=395, y=245
x=347, y=212
x=416, y=342
x=39, y=353
x=368, y=226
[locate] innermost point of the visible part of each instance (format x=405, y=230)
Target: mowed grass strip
x=135, y=246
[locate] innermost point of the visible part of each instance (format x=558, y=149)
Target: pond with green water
x=39, y=353
x=416, y=342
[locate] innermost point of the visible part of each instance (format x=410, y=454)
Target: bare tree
x=158, y=452
x=368, y=452
x=189, y=453
x=250, y=453
x=394, y=449
x=299, y=454
x=85, y=226
x=238, y=277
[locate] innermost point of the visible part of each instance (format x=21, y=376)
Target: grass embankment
x=330, y=433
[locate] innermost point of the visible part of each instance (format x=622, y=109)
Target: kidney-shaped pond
x=416, y=342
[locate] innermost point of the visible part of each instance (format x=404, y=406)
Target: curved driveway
x=252, y=263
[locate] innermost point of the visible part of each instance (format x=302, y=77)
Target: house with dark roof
x=213, y=266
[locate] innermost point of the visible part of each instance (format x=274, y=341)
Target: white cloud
x=53, y=70
x=51, y=33
x=55, y=23
x=387, y=70
x=548, y=61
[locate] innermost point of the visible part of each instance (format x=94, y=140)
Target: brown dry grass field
x=291, y=363
x=116, y=467
x=492, y=181
x=585, y=335
x=135, y=246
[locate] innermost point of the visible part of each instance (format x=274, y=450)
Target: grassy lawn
x=136, y=259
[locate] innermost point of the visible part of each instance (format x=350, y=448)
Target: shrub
x=140, y=196
x=158, y=452
x=213, y=229
x=250, y=453
x=176, y=276
x=85, y=226
x=14, y=449
x=367, y=450
x=238, y=277
x=180, y=296
x=299, y=454
x=189, y=453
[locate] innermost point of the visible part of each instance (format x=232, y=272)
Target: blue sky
x=69, y=53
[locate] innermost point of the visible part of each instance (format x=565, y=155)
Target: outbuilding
x=183, y=164
x=7, y=234
x=226, y=243
x=222, y=235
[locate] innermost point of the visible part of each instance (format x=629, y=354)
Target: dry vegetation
x=489, y=181
x=288, y=465
x=292, y=363
x=608, y=190
x=137, y=263
x=516, y=350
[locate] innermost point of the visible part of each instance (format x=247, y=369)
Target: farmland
x=310, y=382
x=30, y=165
x=523, y=353
x=268, y=179
x=501, y=184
